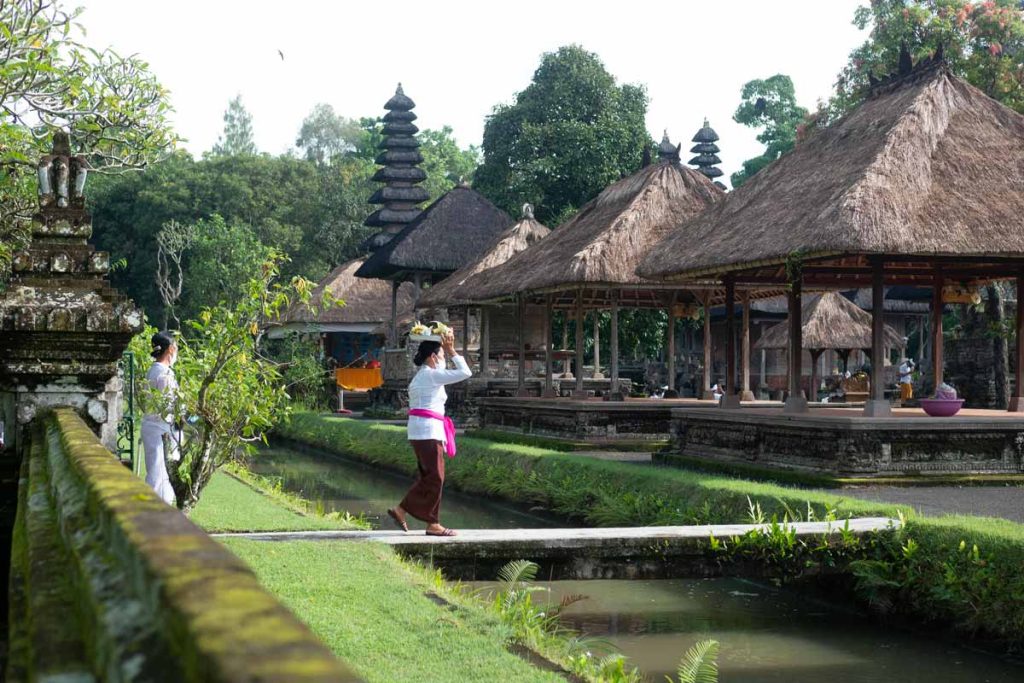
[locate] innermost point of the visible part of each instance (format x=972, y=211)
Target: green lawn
x=229, y=505
x=371, y=609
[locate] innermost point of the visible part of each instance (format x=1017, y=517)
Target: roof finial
x=666, y=150
x=528, y=211
x=398, y=90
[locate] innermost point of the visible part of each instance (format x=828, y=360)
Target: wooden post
x=549, y=384
x=815, y=357
x=745, y=393
x=937, y=328
x=1017, y=400
x=706, y=392
x=876, y=405
x=731, y=399
x=566, y=373
x=615, y=393
x=795, y=403
x=485, y=342
x=465, y=333
x=394, y=314
x=579, y=392
x=671, y=344
x=597, y=345
x=521, y=323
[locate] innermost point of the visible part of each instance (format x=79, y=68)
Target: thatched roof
x=603, y=244
x=830, y=321
x=930, y=166
x=447, y=235
x=452, y=290
x=366, y=301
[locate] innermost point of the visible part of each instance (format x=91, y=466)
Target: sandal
x=443, y=532
x=399, y=522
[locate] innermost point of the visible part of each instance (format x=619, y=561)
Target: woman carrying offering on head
x=431, y=434
x=158, y=430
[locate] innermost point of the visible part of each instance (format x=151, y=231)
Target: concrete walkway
x=568, y=538
x=986, y=501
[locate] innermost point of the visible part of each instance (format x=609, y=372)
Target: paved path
x=566, y=538
x=988, y=501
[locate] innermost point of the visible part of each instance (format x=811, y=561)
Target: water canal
x=766, y=634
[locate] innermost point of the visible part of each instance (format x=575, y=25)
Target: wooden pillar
x=670, y=350
x=731, y=399
x=745, y=393
x=937, y=360
x=579, y=392
x=815, y=357
x=485, y=342
x=876, y=405
x=521, y=323
x=549, y=384
x=597, y=344
x=615, y=393
x=706, y=389
x=566, y=372
x=795, y=403
x=465, y=333
x=394, y=314
x=1017, y=400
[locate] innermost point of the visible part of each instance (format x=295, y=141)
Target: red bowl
x=942, y=407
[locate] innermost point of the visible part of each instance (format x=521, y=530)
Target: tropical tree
x=236, y=140
x=768, y=104
x=569, y=134
x=113, y=108
x=229, y=394
x=325, y=135
x=983, y=42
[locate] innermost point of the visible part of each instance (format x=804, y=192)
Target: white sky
x=458, y=59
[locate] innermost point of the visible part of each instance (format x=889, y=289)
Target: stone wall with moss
x=110, y=584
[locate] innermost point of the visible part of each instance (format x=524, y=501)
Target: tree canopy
x=983, y=42
x=569, y=134
x=768, y=104
x=236, y=139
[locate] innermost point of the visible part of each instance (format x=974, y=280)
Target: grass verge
x=966, y=572
x=229, y=504
x=565, y=445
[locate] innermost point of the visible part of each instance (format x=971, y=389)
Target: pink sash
x=449, y=427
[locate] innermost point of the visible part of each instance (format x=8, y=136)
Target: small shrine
x=63, y=328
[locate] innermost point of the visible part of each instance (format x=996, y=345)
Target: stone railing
x=110, y=584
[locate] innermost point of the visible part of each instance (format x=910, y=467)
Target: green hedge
x=930, y=571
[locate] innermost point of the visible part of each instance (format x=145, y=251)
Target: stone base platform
x=842, y=442
x=597, y=420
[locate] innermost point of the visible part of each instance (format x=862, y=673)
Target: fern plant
x=699, y=664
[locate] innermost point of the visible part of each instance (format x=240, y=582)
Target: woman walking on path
x=158, y=430
x=431, y=434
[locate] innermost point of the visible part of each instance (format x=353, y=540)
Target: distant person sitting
x=717, y=392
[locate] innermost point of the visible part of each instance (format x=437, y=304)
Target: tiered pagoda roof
x=400, y=197
x=707, y=153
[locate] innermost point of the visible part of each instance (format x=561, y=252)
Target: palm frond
x=700, y=663
x=518, y=571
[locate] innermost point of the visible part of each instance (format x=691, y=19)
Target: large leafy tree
x=768, y=104
x=325, y=136
x=114, y=109
x=569, y=134
x=983, y=42
x=236, y=139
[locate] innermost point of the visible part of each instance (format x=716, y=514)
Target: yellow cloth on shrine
x=358, y=379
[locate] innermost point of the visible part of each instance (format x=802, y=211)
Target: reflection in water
x=344, y=485
x=766, y=634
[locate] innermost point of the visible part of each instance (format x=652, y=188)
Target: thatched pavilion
x=450, y=233
x=590, y=261
x=830, y=321
x=453, y=292
x=354, y=328
x=923, y=184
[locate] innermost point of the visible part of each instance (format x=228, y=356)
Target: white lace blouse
x=426, y=392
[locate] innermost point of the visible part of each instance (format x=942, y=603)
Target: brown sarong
x=423, y=501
